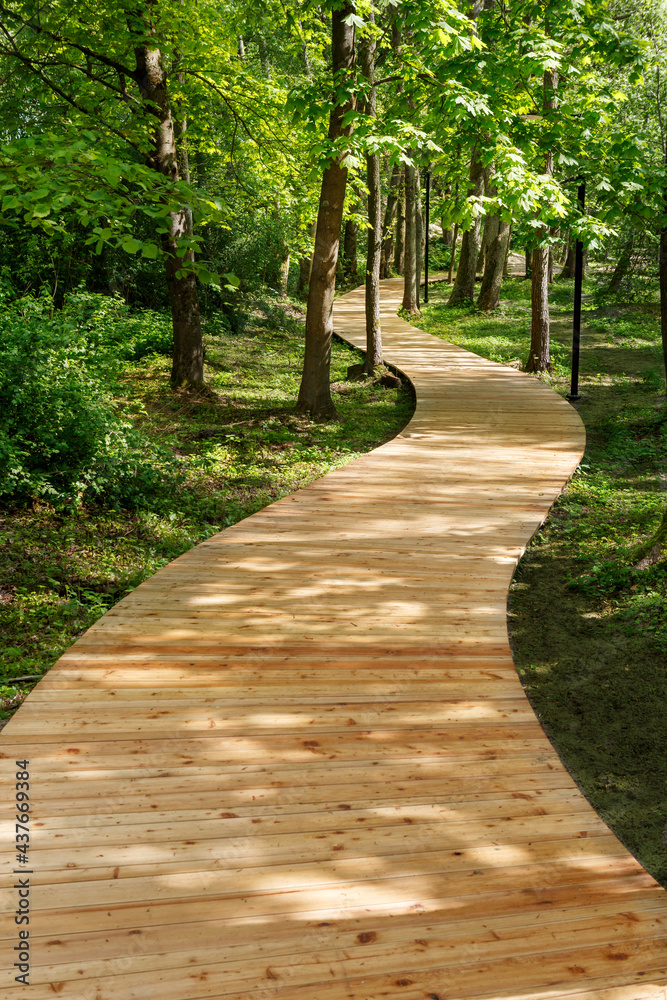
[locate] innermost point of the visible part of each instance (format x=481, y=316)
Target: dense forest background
x=184, y=187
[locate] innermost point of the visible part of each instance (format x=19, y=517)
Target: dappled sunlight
x=298, y=763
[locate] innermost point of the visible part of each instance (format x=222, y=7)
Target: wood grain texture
x=297, y=763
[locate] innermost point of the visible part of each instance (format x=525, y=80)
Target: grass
x=588, y=629
x=236, y=448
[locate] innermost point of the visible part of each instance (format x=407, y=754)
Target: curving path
x=298, y=764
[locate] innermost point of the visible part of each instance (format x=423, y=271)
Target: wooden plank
x=199, y=880
x=456, y=896
x=213, y=841
x=440, y=945
x=297, y=816
x=229, y=939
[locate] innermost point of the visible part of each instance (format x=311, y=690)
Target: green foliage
x=61, y=437
x=113, y=332
x=254, y=248
x=439, y=255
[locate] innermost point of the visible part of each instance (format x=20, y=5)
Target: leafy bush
x=114, y=331
x=254, y=248
x=439, y=255
x=60, y=436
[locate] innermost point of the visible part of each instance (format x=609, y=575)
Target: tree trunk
x=188, y=355
x=490, y=227
x=539, y=357
x=387, y=251
x=623, y=265
x=315, y=390
x=529, y=257
x=463, y=291
x=496, y=255
x=305, y=58
x=663, y=285
x=486, y=235
x=567, y=272
x=452, y=259
x=419, y=234
x=283, y=272
x=373, y=330
x=183, y=155
x=305, y=264
x=409, y=303
x=264, y=56
x=506, y=265
x=399, y=248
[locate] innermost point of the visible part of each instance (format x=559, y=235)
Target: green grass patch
x=223, y=455
x=588, y=628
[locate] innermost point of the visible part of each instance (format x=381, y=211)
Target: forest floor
x=588, y=629
x=230, y=451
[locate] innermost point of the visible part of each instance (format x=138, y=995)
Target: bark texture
x=539, y=358
x=506, y=265
x=540, y=333
x=409, y=303
x=419, y=235
x=452, y=259
x=188, y=355
x=463, y=291
x=567, y=271
x=387, y=249
x=498, y=234
x=373, y=330
x=305, y=264
x=315, y=390
x=283, y=272
x=399, y=245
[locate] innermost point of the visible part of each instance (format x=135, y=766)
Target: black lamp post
x=576, y=322
x=428, y=212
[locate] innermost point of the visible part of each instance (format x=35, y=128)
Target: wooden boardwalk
x=298, y=764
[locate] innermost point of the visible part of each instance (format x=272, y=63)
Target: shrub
x=61, y=438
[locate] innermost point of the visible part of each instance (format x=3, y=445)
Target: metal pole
x=428, y=211
x=576, y=322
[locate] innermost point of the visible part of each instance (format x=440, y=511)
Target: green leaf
x=354, y=19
